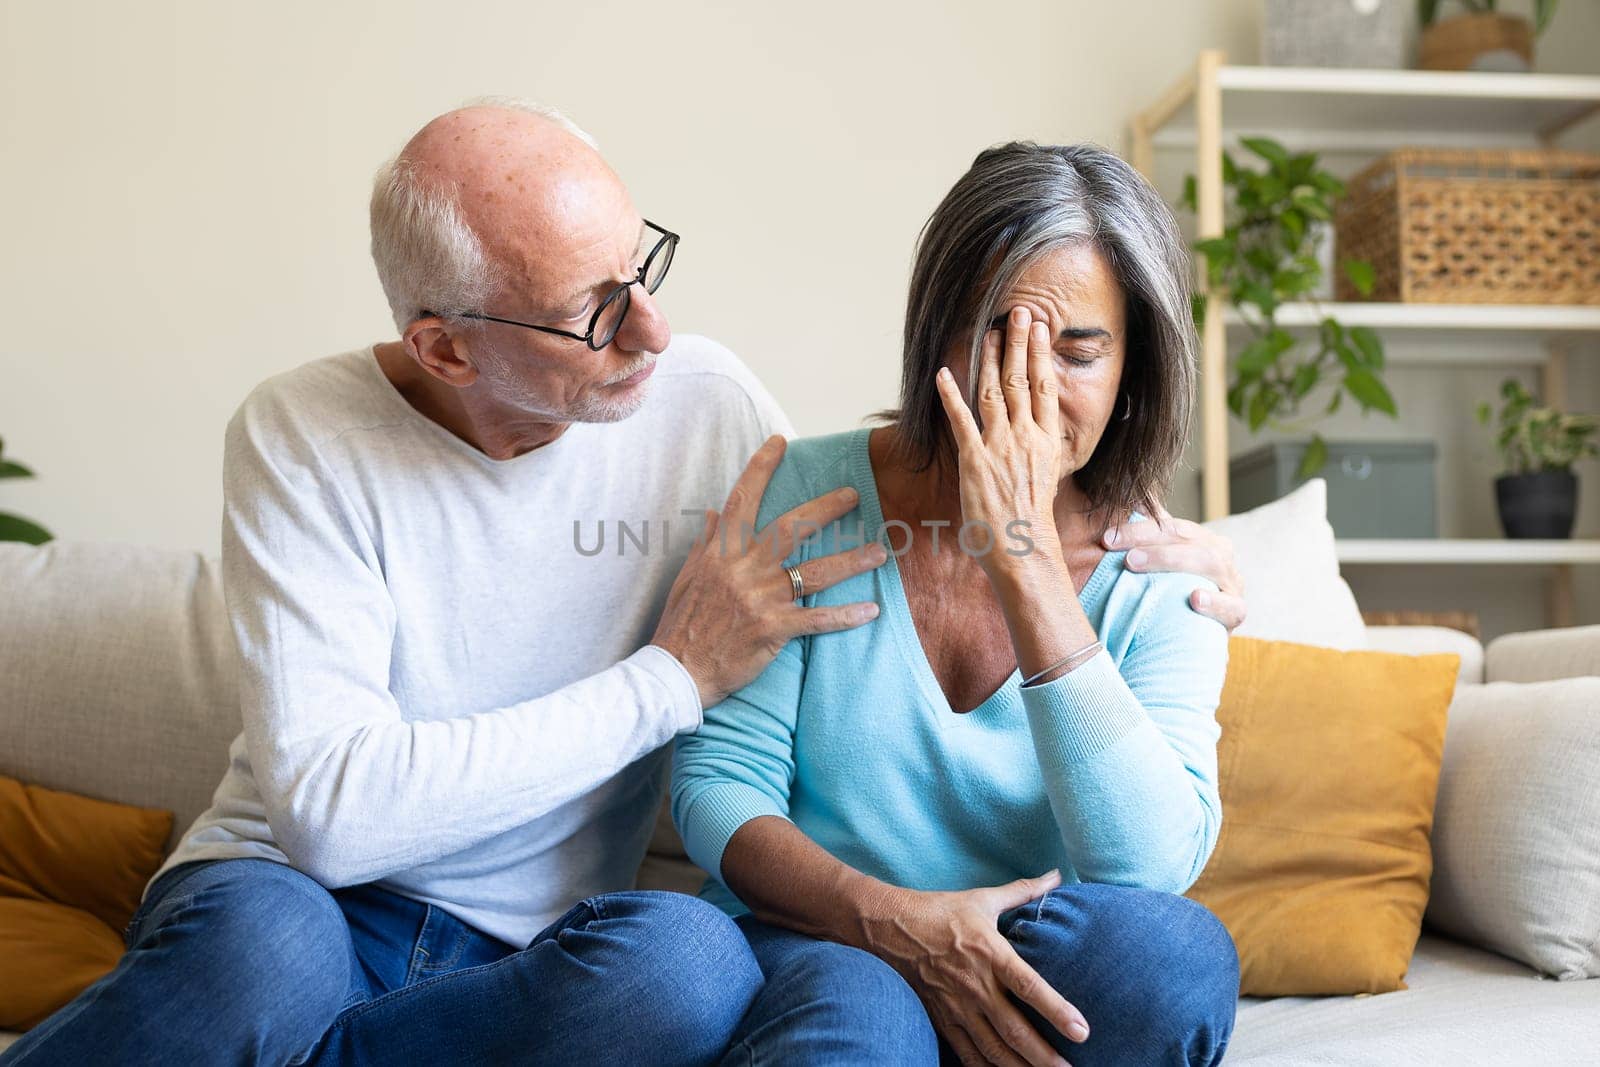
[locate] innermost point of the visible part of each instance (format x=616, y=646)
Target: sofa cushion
x=72, y=871
x=50, y=954
x=1421, y=640
x=1517, y=825
x=1328, y=764
x=1461, y=1006
x=1293, y=592
x=1542, y=655
x=119, y=674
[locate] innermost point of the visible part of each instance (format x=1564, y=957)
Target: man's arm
x=352, y=791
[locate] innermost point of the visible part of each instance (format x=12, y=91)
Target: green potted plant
x=1480, y=38
x=15, y=527
x=1267, y=256
x=1537, y=496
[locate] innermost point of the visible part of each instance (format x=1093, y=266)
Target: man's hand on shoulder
x=1164, y=543
x=732, y=608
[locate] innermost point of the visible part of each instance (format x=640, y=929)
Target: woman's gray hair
x=428, y=258
x=1017, y=203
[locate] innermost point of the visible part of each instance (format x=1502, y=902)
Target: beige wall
x=186, y=186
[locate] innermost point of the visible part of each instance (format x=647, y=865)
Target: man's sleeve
x=352, y=791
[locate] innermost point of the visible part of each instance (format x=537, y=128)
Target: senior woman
x=878, y=807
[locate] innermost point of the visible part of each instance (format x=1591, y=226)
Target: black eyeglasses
x=607, y=318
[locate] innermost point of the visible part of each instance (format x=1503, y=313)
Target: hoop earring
x=1127, y=408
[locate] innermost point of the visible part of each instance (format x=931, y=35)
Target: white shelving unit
x=1371, y=112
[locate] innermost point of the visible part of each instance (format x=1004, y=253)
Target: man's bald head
x=488, y=198
x=499, y=216
x=527, y=183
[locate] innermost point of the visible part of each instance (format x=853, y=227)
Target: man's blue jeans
x=248, y=961
x=1155, y=974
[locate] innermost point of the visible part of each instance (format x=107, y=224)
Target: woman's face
x=1075, y=293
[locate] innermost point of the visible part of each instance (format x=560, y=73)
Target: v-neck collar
x=897, y=607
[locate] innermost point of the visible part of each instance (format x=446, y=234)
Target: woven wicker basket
x=1475, y=227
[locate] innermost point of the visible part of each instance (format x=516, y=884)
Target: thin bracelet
x=1085, y=653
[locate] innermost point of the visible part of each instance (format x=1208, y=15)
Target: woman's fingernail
x=1202, y=600
x=1137, y=558
x=1112, y=536
x=1019, y=315
x=1078, y=1032
x=944, y=373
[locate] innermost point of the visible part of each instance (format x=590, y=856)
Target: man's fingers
x=1226, y=608
x=829, y=571
x=832, y=618
x=962, y=425
x=1014, y=368
x=744, y=499
x=1149, y=532
x=807, y=520
x=1182, y=556
x=1041, y=996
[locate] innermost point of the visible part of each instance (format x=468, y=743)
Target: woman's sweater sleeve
x=1129, y=751
x=740, y=764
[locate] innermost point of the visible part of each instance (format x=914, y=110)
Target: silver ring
x=797, y=584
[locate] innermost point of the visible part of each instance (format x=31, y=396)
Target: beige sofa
x=117, y=679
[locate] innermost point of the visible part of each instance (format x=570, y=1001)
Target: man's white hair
x=428, y=258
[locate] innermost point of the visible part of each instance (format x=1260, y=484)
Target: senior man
x=455, y=712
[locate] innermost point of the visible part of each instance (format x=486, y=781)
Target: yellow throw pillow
x=72, y=871
x=1328, y=767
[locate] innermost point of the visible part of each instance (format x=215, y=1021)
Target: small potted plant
x=1480, y=38
x=1269, y=255
x=15, y=527
x=1538, y=494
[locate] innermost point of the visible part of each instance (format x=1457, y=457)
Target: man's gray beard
x=589, y=409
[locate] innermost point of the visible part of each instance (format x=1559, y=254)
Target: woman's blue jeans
x=1155, y=974
x=248, y=961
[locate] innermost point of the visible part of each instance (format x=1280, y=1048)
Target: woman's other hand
x=948, y=947
x=1170, y=544
x=1011, y=468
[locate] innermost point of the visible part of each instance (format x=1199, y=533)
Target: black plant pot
x=1539, y=505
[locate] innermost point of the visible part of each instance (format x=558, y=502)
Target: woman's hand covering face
x=1011, y=468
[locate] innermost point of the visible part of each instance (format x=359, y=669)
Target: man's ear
x=445, y=356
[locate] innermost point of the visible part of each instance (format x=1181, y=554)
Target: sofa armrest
x=1423, y=640
x=1544, y=655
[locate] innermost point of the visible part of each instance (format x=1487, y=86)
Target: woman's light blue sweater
x=1108, y=773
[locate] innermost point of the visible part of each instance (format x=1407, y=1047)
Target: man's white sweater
x=445, y=688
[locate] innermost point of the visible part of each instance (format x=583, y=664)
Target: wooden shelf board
x=1389, y=107
x=1468, y=551
x=1503, y=318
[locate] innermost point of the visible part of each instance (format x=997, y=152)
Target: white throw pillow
x=1292, y=589
x=1516, y=826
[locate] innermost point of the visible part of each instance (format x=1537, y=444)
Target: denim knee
x=271, y=940
x=865, y=1002
x=1150, y=970
x=688, y=958
x=827, y=1002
